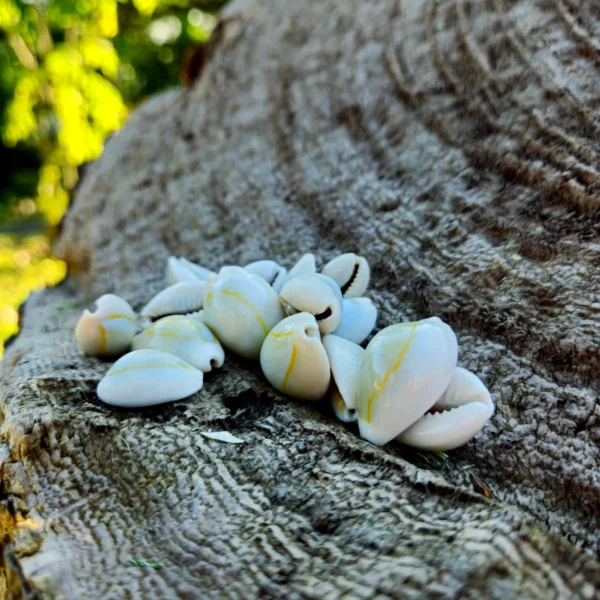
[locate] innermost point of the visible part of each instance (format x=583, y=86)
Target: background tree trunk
x=455, y=144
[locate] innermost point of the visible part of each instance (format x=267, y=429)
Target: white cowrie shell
x=306, y=265
x=406, y=368
x=351, y=272
x=316, y=294
x=177, y=271
x=465, y=387
x=201, y=273
x=274, y=274
x=342, y=412
x=359, y=316
x=196, y=316
x=464, y=409
x=186, y=338
x=179, y=298
x=294, y=360
x=345, y=358
x=241, y=309
x=148, y=377
x=109, y=330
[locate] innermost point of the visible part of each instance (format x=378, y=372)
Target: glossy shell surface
x=345, y=358
x=187, y=338
x=359, y=316
x=351, y=272
x=148, y=377
x=241, y=309
x=109, y=330
x=461, y=412
x=294, y=360
x=316, y=294
x=405, y=370
x=178, y=299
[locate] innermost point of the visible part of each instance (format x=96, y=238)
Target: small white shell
x=201, y=273
x=351, y=272
x=345, y=358
x=177, y=271
x=241, y=309
x=316, y=294
x=294, y=360
x=359, y=316
x=306, y=265
x=222, y=436
x=406, y=368
x=196, y=316
x=465, y=387
x=465, y=407
x=109, y=330
x=274, y=274
x=342, y=412
x=148, y=377
x=179, y=298
x=186, y=338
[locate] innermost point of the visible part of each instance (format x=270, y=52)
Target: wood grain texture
x=456, y=145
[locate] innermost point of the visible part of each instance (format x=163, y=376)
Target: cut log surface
x=454, y=144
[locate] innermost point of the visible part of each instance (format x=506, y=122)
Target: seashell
x=270, y=271
x=305, y=266
x=405, y=370
x=196, y=316
x=465, y=387
x=186, y=338
x=148, y=377
x=177, y=271
x=201, y=273
x=342, y=412
x=351, y=272
x=241, y=308
x=294, y=360
x=109, y=330
x=222, y=436
x=359, y=316
x=179, y=298
x=345, y=358
x=316, y=294
x=456, y=417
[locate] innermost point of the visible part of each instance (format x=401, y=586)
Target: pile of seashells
x=306, y=329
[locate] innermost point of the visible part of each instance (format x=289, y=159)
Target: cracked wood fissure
x=454, y=144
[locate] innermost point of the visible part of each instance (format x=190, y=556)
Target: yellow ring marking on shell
x=102, y=338
x=394, y=368
x=281, y=335
x=290, y=367
x=177, y=337
x=149, y=366
x=117, y=316
x=246, y=303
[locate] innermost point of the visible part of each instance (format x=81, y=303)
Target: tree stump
x=456, y=146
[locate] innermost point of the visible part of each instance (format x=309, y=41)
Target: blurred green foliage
x=70, y=71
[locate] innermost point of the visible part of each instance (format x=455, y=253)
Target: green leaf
x=67, y=306
x=148, y=564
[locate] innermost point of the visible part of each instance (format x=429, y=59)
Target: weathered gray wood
x=456, y=145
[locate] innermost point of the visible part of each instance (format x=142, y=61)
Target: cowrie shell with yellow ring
x=405, y=370
x=148, y=377
x=240, y=309
x=109, y=330
x=294, y=360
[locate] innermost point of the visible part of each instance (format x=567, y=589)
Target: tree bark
x=456, y=146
